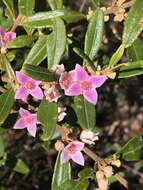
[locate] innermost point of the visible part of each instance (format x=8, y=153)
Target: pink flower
x=27, y=120
x=78, y=82
x=6, y=37
x=52, y=94
x=73, y=151
x=27, y=86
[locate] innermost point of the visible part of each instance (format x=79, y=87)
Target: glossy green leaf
x=133, y=150
x=2, y=147
x=55, y=4
x=26, y=7
x=47, y=115
x=131, y=69
x=133, y=24
x=21, y=167
x=6, y=103
x=20, y=41
x=94, y=34
x=62, y=173
x=85, y=112
x=135, y=51
x=117, y=56
x=39, y=73
x=56, y=43
x=10, y=7
x=38, y=52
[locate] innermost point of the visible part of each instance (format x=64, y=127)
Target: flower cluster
x=79, y=82
x=6, y=37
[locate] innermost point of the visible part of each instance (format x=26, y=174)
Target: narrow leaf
x=2, y=147
x=26, y=7
x=56, y=4
x=21, y=167
x=10, y=7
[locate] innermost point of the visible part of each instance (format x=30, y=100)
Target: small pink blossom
x=27, y=120
x=78, y=81
x=27, y=86
x=6, y=37
x=52, y=94
x=73, y=151
x=58, y=69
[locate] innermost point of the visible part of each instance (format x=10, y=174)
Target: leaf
x=56, y=43
x=26, y=7
x=133, y=24
x=20, y=41
x=6, y=103
x=38, y=52
x=2, y=147
x=39, y=73
x=85, y=112
x=117, y=56
x=62, y=173
x=134, y=52
x=133, y=150
x=21, y=167
x=55, y=4
x=47, y=115
x=131, y=69
x=10, y=7
x=94, y=34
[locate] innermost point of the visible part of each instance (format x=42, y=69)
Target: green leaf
x=56, y=4
x=56, y=43
x=117, y=56
x=85, y=112
x=133, y=150
x=10, y=7
x=47, y=115
x=26, y=7
x=20, y=41
x=131, y=69
x=62, y=173
x=134, y=52
x=94, y=34
x=38, y=52
x=2, y=147
x=39, y=73
x=21, y=167
x=6, y=103
x=133, y=24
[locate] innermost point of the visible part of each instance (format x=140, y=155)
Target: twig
x=82, y=6
x=17, y=22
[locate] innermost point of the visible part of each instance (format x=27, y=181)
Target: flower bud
x=59, y=146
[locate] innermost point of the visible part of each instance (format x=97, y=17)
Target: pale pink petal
x=8, y=36
x=79, y=145
x=37, y=82
x=21, y=93
x=73, y=90
x=64, y=156
x=78, y=158
x=65, y=80
x=19, y=124
x=32, y=129
x=21, y=77
x=91, y=96
x=37, y=93
x=23, y=112
x=97, y=81
x=80, y=73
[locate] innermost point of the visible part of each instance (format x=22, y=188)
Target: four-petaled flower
x=73, y=151
x=6, y=37
x=78, y=81
x=27, y=86
x=27, y=120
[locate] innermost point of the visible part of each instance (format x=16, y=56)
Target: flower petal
x=21, y=93
x=97, y=81
x=23, y=112
x=91, y=96
x=21, y=77
x=79, y=145
x=73, y=90
x=37, y=93
x=78, y=158
x=32, y=129
x=65, y=156
x=19, y=124
x=80, y=73
x=8, y=36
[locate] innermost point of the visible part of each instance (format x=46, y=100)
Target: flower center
x=72, y=149
x=85, y=85
x=67, y=80
x=30, y=85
